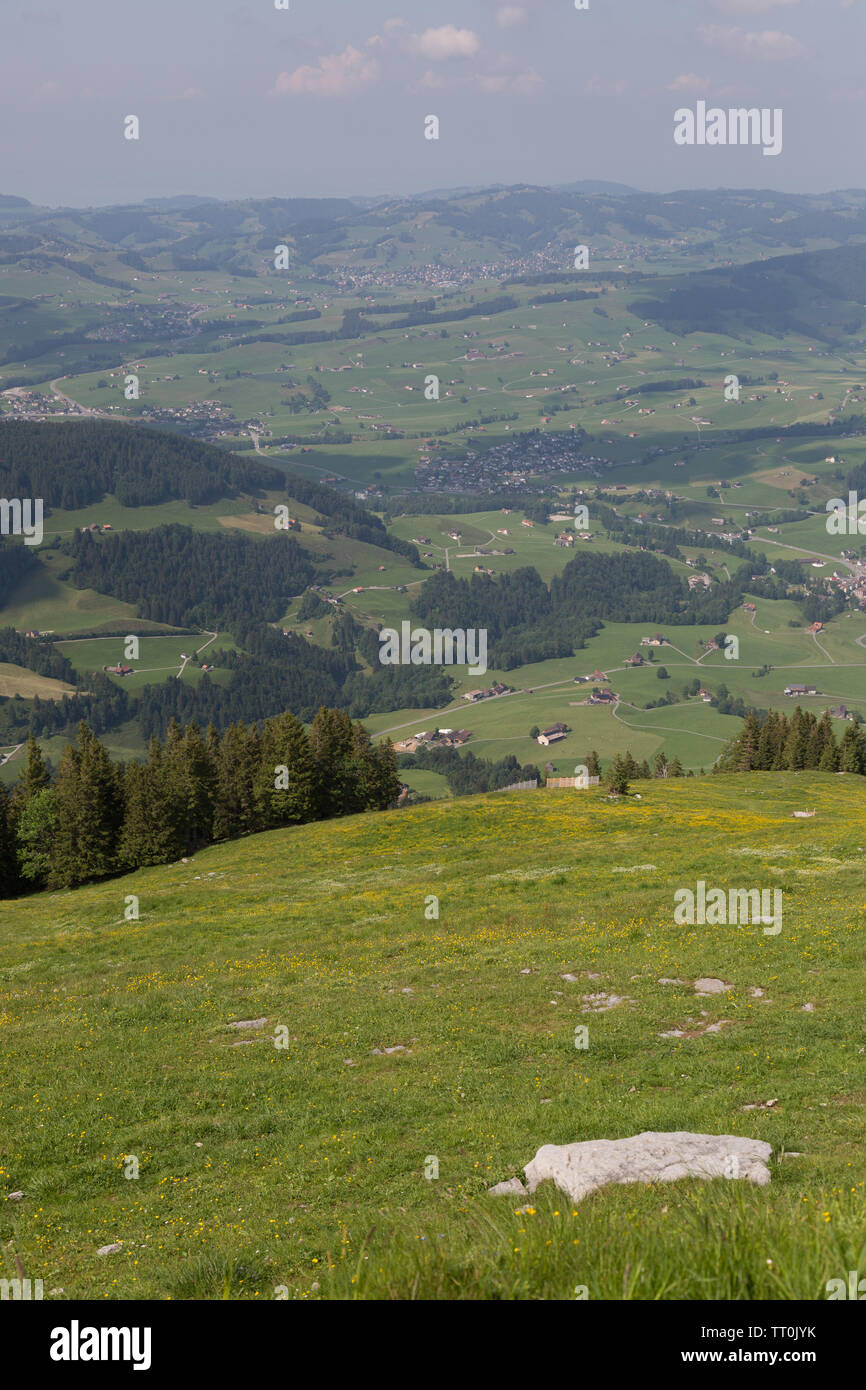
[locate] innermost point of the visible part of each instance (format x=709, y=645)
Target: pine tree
x=9, y=883
x=749, y=743
x=89, y=811
x=852, y=756
x=616, y=777
x=286, y=780
x=34, y=775
x=830, y=758
x=797, y=742
x=375, y=771
x=193, y=776
x=153, y=824
x=630, y=767
x=237, y=763
x=332, y=743
x=593, y=766
x=35, y=835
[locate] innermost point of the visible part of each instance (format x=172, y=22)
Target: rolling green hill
x=296, y=1023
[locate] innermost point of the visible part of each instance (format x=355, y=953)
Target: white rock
x=249, y=1023
x=602, y=1003
x=711, y=986
x=808, y=1008
x=15, y=1196
x=579, y=1169
x=110, y=1249
x=513, y=1187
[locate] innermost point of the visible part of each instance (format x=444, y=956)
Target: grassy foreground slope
x=301, y=1169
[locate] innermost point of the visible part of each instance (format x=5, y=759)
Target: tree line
x=96, y=818
x=73, y=464
x=774, y=742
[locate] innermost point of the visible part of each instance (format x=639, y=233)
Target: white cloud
x=509, y=16
x=688, y=82
x=770, y=45
x=335, y=75
x=436, y=45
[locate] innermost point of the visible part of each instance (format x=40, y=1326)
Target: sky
x=237, y=99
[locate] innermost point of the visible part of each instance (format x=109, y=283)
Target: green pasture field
x=299, y=1170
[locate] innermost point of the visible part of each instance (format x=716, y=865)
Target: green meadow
x=287, y=1157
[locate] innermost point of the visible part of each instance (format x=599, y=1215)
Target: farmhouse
x=656, y=641
x=552, y=735
x=636, y=660
x=602, y=697
x=800, y=690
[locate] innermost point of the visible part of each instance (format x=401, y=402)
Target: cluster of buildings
x=440, y=738
x=497, y=688
x=852, y=585
x=508, y=465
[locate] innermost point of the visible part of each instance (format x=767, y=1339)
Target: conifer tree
x=36, y=830
x=8, y=858
x=851, y=753
x=287, y=779
x=332, y=743
x=89, y=812
x=34, y=775
x=750, y=741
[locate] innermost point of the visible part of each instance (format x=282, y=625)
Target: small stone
x=602, y=1003
x=249, y=1023
x=711, y=986
x=572, y=979
x=15, y=1196
x=199, y=1144
x=110, y=1249
x=513, y=1187
x=527, y=971
x=808, y=1008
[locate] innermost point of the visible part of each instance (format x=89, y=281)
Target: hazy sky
x=237, y=98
